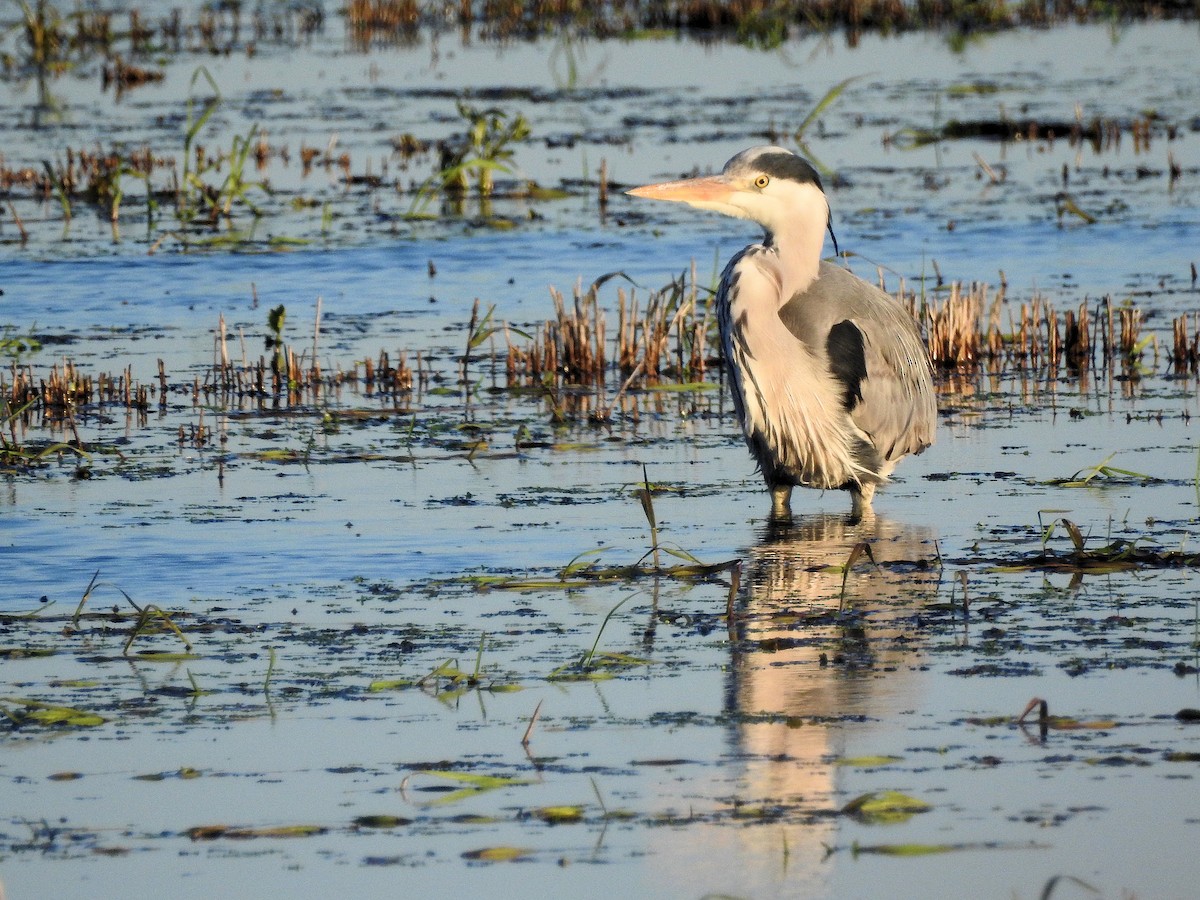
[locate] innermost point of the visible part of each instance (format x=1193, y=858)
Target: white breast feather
x=788, y=398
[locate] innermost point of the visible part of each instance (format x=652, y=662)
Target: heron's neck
x=799, y=254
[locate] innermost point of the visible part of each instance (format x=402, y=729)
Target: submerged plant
x=1102, y=472
x=24, y=711
x=14, y=345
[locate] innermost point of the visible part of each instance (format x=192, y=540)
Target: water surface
x=310, y=553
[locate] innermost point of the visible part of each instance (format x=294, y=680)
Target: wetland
x=374, y=518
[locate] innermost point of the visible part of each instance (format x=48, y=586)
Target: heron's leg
x=781, y=501
x=861, y=496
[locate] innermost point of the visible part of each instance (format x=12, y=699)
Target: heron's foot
x=781, y=501
x=860, y=498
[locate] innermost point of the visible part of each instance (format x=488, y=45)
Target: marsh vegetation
x=373, y=510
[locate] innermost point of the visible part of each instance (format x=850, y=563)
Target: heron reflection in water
x=809, y=682
x=815, y=668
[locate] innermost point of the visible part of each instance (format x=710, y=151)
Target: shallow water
x=307, y=563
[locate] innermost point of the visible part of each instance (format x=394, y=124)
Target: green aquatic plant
x=43, y=50
x=915, y=849
x=884, y=807
x=484, y=150
x=146, y=617
x=187, y=201
x=42, y=27
x=16, y=455
x=490, y=132
x=565, y=49
x=1064, y=204
x=1102, y=473
x=826, y=101
x=595, y=663
x=235, y=188
x=588, y=657
x=15, y=345
x=212, y=832
x=584, y=568
x=646, y=497
x=691, y=565
x=472, y=784
x=447, y=680
x=23, y=711
x=859, y=550
x=276, y=318
x=195, y=195
x=479, y=331
x=270, y=672
x=1196, y=477
x=497, y=854
x=1118, y=555
x=764, y=28
x=57, y=180
x=1048, y=530
x=197, y=691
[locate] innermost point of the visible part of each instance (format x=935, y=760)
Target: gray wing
x=873, y=348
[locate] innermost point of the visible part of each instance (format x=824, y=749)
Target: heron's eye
x=761, y=181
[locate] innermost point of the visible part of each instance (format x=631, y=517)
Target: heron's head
x=768, y=185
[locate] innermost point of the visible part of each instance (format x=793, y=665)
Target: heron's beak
x=696, y=191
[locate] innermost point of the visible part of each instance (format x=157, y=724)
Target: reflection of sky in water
x=671, y=118
x=514, y=271
x=277, y=538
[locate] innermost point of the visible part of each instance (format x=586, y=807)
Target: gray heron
x=829, y=374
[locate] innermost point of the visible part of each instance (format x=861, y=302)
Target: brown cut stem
x=537, y=710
